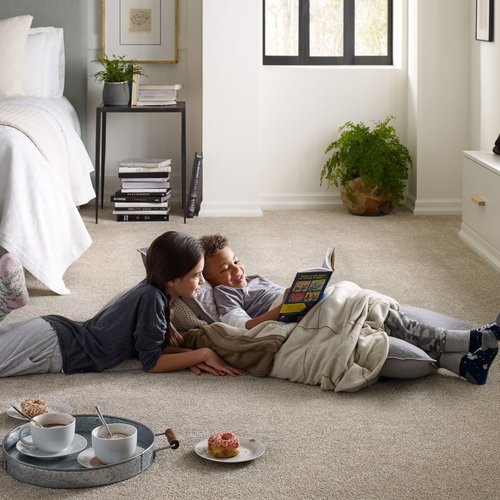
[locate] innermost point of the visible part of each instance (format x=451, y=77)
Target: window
x=306, y=32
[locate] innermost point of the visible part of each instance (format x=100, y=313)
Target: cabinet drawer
x=482, y=185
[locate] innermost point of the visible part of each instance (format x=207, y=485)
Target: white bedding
x=39, y=219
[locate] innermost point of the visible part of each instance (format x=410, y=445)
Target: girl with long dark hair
x=137, y=324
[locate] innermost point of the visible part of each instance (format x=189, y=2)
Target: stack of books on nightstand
x=155, y=95
x=145, y=190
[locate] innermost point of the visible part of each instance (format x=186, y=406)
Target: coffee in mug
x=119, y=447
x=57, y=433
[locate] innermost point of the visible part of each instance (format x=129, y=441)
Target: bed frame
x=72, y=16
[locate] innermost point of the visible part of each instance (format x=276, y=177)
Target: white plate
x=78, y=444
x=88, y=459
x=250, y=449
x=54, y=407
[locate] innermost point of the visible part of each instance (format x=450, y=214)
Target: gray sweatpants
x=29, y=347
x=439, y=347
x=429, y=338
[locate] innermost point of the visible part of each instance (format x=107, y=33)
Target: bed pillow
x=44, y=62
x=406, y=361
x=13, y=35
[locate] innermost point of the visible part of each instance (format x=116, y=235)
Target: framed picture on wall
x=484, y=20
x=140, y=30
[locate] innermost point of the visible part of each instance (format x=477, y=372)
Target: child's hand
x=215, y=365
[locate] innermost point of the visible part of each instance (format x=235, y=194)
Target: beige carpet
x=433, y=438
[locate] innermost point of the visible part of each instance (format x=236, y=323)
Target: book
x=157, y=95
x=145, y=162
x=142, y=196
x=148, y=191
x=161, y=211
x=145, y=185
x=141, y=218
x=160, y=86
x=307, y=289
x=144, y=170
x=138, y=205
x=145, y=175
x=168, y=102
x=194, y=200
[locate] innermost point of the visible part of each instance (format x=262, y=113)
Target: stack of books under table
x=145, y=190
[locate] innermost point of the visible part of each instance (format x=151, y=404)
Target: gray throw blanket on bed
x=340, y=344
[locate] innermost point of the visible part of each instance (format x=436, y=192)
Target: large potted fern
x=369, y=165
x=117, y=74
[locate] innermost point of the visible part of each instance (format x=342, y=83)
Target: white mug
x=57, y=433
x=121, y=446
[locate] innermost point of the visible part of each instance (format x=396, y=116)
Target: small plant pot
x=116, y=94
x=360, y=201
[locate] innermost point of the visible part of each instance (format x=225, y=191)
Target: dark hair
x=213, y=243
x=172, y=255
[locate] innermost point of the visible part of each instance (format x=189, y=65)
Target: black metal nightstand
x=100, y=144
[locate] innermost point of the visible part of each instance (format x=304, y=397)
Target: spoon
x=38, y=424
x=101, y=418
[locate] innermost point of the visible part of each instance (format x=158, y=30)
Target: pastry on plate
x=223, y=445
x=34, y=406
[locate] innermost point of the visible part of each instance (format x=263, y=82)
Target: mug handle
x=22, y=436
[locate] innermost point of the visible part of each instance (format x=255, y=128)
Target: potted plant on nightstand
x=117, y=74
x=369, y=165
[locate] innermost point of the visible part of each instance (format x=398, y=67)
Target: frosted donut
x=223, y=445
x=33, y=407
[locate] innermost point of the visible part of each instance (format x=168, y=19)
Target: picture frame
x=484, y=20
x=145, y=31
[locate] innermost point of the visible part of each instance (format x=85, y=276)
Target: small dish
x=88, y=459
x=250, y=449
x=54, y=407
x=78, y=444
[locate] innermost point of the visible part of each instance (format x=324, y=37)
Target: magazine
x=307, y=289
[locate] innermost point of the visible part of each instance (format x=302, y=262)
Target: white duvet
x=39, y=219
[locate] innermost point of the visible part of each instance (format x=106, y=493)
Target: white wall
x=263, y=129
x=231, y=161
x=485, y=95
x=439, y=79
x=299, y=109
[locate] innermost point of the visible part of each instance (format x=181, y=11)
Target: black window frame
x=348, y=59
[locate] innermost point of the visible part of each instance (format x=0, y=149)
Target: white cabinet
x=481, y=204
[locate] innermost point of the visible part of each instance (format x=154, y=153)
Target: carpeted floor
x=433, y=438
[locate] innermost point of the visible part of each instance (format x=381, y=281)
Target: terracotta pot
x=362, y=202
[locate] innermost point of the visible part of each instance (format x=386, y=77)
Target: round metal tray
x=66, y=472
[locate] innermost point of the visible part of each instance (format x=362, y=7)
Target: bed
x=44, y=166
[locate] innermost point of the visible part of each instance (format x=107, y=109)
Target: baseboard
x=300, y=201
x=271, y=202
x=230, y=209
x=434, y=206
x=480, y=245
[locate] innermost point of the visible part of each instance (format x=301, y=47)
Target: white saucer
x=78, y=444
x=88, y=459
x=250, y=449
x=54, y=407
